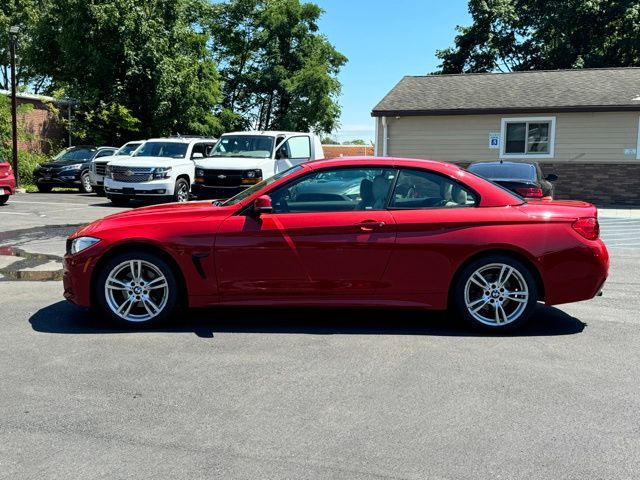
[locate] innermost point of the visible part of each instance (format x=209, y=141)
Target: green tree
x=355, y=142
x=136, y=69
x=278, y=72
x=545, y=34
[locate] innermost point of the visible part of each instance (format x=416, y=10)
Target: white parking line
x=50, y=203
x=15, y=213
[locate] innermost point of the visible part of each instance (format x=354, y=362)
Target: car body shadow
x=65, y=318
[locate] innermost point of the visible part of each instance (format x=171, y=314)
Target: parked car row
x=176, y=169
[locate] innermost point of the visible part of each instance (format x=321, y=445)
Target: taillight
x=587, y=227
x=530, y=192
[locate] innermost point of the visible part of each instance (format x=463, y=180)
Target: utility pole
x=13, y=40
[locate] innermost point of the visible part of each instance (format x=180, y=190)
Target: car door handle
x=370, y=225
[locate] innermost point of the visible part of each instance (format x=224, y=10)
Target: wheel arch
x=147, y=247
x=186, y=177
x=516, y=255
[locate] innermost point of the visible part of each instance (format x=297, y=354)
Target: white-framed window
x=528, y=137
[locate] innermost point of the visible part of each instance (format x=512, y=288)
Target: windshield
x=504, y=171
x=74, y=155
x=267, y=181
x=162, y=149
x=128, y=149
x=257, y=146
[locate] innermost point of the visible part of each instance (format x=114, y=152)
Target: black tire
x=181, y=188
x=105, y=305
x=99, y=191
x=3, y=199
x=85, y=183
x=120, y=201
x=496, y=306
x=44, y=188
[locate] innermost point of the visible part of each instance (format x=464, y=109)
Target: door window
x=337, y=190
x=421, y=189
x=295, y=147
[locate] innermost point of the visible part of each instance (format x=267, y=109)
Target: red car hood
x=156, y=214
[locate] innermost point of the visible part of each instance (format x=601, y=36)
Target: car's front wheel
x=44, y=188
x=496, y=293
x=85, y=183
x=136, y=289
x=181, y=191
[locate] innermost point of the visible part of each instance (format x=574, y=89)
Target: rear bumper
x=577, y=274
x=205, y=192
x=8, y=185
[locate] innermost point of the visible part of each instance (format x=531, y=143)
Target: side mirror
x=262, y=204
x=197, y=155
x=552, y=177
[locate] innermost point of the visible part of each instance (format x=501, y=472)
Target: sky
x=384, y=40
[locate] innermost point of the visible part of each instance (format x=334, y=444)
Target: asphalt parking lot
x=255, y=393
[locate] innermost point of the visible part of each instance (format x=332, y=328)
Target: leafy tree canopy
x=136, y=69
x=545, y=34
x=278, y=72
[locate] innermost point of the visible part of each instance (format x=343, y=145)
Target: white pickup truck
x=242, y=159
x=162, y=169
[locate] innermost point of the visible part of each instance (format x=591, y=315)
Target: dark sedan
x=70, y=168
x=524, y=178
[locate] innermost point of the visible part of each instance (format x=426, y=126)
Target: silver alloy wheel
x=182, y=195
x=496, y=294
x=136, y=290
x=86, y=183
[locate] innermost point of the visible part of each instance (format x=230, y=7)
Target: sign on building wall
x=494, y=140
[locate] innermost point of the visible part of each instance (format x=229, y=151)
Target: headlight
x=199, y=173
x=251, y=176
x=161, y=172
x=75, y=166
x=82, y=243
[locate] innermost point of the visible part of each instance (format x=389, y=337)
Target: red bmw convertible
x=362, y=232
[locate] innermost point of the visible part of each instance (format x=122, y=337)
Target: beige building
x=583, y=125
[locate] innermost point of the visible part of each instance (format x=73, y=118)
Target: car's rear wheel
x=85, y=183
x=120, y=201
x=3, y=199
x=44, y=188
x=495, y=293
x=136, y=289
x=181, y=191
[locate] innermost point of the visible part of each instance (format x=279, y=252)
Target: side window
x=336, y=190
x=208, y=149
x=421, y=189
x=198, y=148
x=296, y=147
x=104, y=153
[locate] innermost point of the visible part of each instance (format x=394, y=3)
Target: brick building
x=42, y=126
x=335, y=151
x=583, y=125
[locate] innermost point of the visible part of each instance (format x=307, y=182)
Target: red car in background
x=7, y=181
x=408, y=233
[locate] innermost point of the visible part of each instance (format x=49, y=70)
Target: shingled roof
x=586, y=90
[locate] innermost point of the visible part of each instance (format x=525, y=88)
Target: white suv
x=162, y=168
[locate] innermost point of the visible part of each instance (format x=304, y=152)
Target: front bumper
x=61, y=179
x=76, y=278
x=154, y=188
x=95, y=179
x=204, y=192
